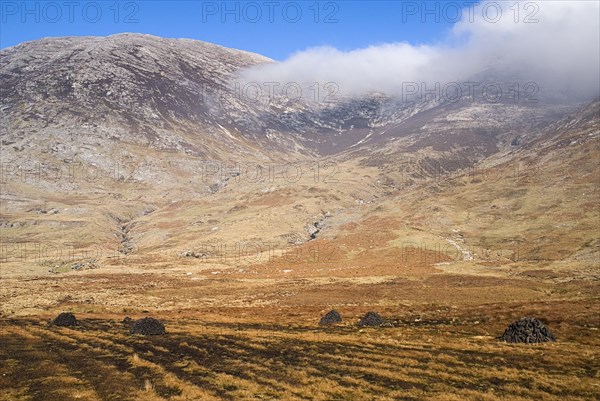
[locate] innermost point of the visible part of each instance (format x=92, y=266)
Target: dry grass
x=443, y=355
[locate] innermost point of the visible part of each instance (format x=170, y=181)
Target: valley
x=240, y=224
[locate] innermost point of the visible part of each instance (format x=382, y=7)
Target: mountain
x=168, y=93
x=138, y=147
x=134, y=89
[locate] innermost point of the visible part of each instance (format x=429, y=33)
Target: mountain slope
x=134, y=89
x=141, y=147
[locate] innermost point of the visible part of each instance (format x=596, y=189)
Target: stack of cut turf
x=148, y=327
x=332, y=317
x=371, y=319
x=527, y=330
x=65, y=319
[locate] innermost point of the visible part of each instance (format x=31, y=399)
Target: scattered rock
x=15, y=224
x=316, y=227
x=293, y=238
x=127, y=321
x=148, y=211
x=193, y=254
x=313, y=230
x=148, y=326
x=214, y=188
x=371, y=319
x=527, y=330
x=40, y=210
x=86, y=265
x=332, y=317
x=65, y=319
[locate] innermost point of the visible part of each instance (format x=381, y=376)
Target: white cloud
x=559, y=52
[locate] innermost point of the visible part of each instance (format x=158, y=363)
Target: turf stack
x=332, y=317
x=65, y=319
x=527, y=330
x=148, y=327
x=371, y=319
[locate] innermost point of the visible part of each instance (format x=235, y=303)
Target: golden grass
x=252, y=359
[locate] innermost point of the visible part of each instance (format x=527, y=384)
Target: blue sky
x=272, y=28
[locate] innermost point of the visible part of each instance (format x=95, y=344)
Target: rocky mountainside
x=141, y=145
x=166, y=94
x=185, y=96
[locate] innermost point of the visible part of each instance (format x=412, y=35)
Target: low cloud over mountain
x=554, y=44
